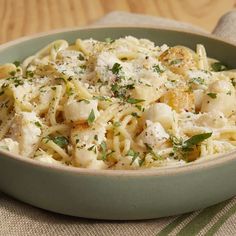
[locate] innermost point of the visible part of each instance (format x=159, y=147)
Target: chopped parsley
x=134, y=101
x=2, y=92
x=116, y=68
x=38, y=124
x=104, y=149
x=156, y=68
x=212, y=95
x=29, y=73
x=12, y=73
x=91, y=148
x=140, y=108
x=117, y=124
x=16, y=81
x=84, y=100
x=150, y=150
x=233, y=82
x=118, y=90
x=133, y=154
x=141, y=161
x=196, y=139
x=130, y=86
x=81, y=57
x=83, y=67
x=218, y=66
x=135, y=114
x=197, y=80
x=91, y=117
x=60, y=79
x=109, y=40
x=181, y=148
x=61, y=141
x=16, y=63
x=102, y=98
x=175, y=62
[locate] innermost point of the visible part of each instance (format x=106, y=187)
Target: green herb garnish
x=81, y=57
x=116, y=68
x=102, y=98
x=84, y=100
x=212, y=95
x=134, y=101
x=197, y=80
x=133, y=154
x=117, y=124
x=176, y=61
x=61, y=141
x=182, y=148
x=135, y=114
x=91, y=117
x=150, y=150
x=16, y=63
x=130, y=86
x=91, y=148
x=12, y=73
x=29, y=73
x=218, y=66
x=38, y=124
x=156, y=68
x=109, y=40
x=233, y=82
x=196, y=139
x=104, y=149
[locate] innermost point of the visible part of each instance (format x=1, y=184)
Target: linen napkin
x=17, y=218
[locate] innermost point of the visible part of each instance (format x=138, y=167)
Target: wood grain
x=26, y=17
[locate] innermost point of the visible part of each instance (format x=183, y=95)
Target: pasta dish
x=117, y=104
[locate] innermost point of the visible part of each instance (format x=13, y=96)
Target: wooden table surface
x=26, y=17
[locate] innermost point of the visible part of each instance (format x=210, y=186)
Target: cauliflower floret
x=79, y=111
x=86, y=141
x=88, y=159
x=26, y=131
x=146, y=93
x=7, y=144
x=154, y=135
x=214, y=119
x=220, y=96
x=160, y=112
x=85, y=135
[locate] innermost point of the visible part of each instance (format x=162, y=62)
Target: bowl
x=119, y=194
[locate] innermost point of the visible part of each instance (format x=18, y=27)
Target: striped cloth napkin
x=20, y=219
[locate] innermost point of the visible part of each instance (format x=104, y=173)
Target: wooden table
x=26, y=17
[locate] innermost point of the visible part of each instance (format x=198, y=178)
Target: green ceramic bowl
x=116, y=194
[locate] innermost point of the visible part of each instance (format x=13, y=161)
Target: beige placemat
x=17, y=218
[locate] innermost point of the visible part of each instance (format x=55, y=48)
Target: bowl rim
x=159, y=171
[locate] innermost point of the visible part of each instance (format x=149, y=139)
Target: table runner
x=17, y=218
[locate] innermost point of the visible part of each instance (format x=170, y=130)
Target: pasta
x=117, y=104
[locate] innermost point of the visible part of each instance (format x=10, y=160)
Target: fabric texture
x=18, y=218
